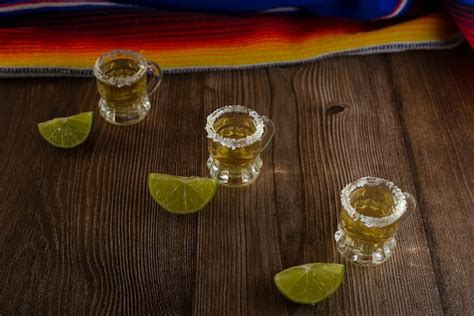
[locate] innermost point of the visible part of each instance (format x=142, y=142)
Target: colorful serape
x=37, y=42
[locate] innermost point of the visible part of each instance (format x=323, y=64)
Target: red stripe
x=51, y=42
x=219, y=30
x=104, y=29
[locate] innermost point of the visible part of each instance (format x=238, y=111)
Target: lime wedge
x=181, y=195
x=310, y=283
x=67, y=132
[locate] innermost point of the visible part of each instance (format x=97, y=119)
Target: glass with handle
x=124, y=81
x=372, y=211
x=237, y=136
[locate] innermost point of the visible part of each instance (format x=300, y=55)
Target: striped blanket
x=44, y=38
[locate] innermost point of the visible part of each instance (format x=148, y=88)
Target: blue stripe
x=349, y=9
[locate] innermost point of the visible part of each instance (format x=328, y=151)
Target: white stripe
x=286, y=9
x=397, y=11
x=57, y=4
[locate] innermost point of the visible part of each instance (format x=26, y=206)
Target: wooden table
x=79, y=232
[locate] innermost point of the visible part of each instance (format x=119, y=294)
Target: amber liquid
x=374, y=202
x=127, y=98
x=235, y=126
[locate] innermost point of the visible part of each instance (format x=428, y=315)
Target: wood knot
x=336, y=108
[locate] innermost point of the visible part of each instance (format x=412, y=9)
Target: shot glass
x=237, y=136
x=124, y=81
x=372, y=211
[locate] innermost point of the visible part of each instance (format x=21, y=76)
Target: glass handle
x=269, y=132
x=411, y=204
x=154, y=75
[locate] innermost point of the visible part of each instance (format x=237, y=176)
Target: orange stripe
x=261, y=48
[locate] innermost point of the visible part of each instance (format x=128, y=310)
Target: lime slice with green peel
x=181, y=195
x=310, y=283
x=67, y=132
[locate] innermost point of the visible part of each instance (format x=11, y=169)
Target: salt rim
x=400, y=206
x=119, y=82
x=232, y=142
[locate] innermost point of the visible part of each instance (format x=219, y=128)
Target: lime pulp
x=181, y=195
x=310, y=283
x=67, y=132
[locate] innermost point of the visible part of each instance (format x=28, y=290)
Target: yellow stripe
x=269, y=50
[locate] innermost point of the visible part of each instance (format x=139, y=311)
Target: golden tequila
x=237, y=135
x=235, y=126
x=374, y=202
x=122, y=82
x=372, y=210
x=124, y=98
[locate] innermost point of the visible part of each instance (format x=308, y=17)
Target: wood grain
x=79, y=232
x=436, y=108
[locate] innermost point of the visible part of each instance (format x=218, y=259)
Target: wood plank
x=436, y=104
x=237, y=236
x=349, y=129
x=336, y=121
x=80, y=233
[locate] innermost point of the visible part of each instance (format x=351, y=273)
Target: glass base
x=124, y=118
x=234, y=177
x=363, y=253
